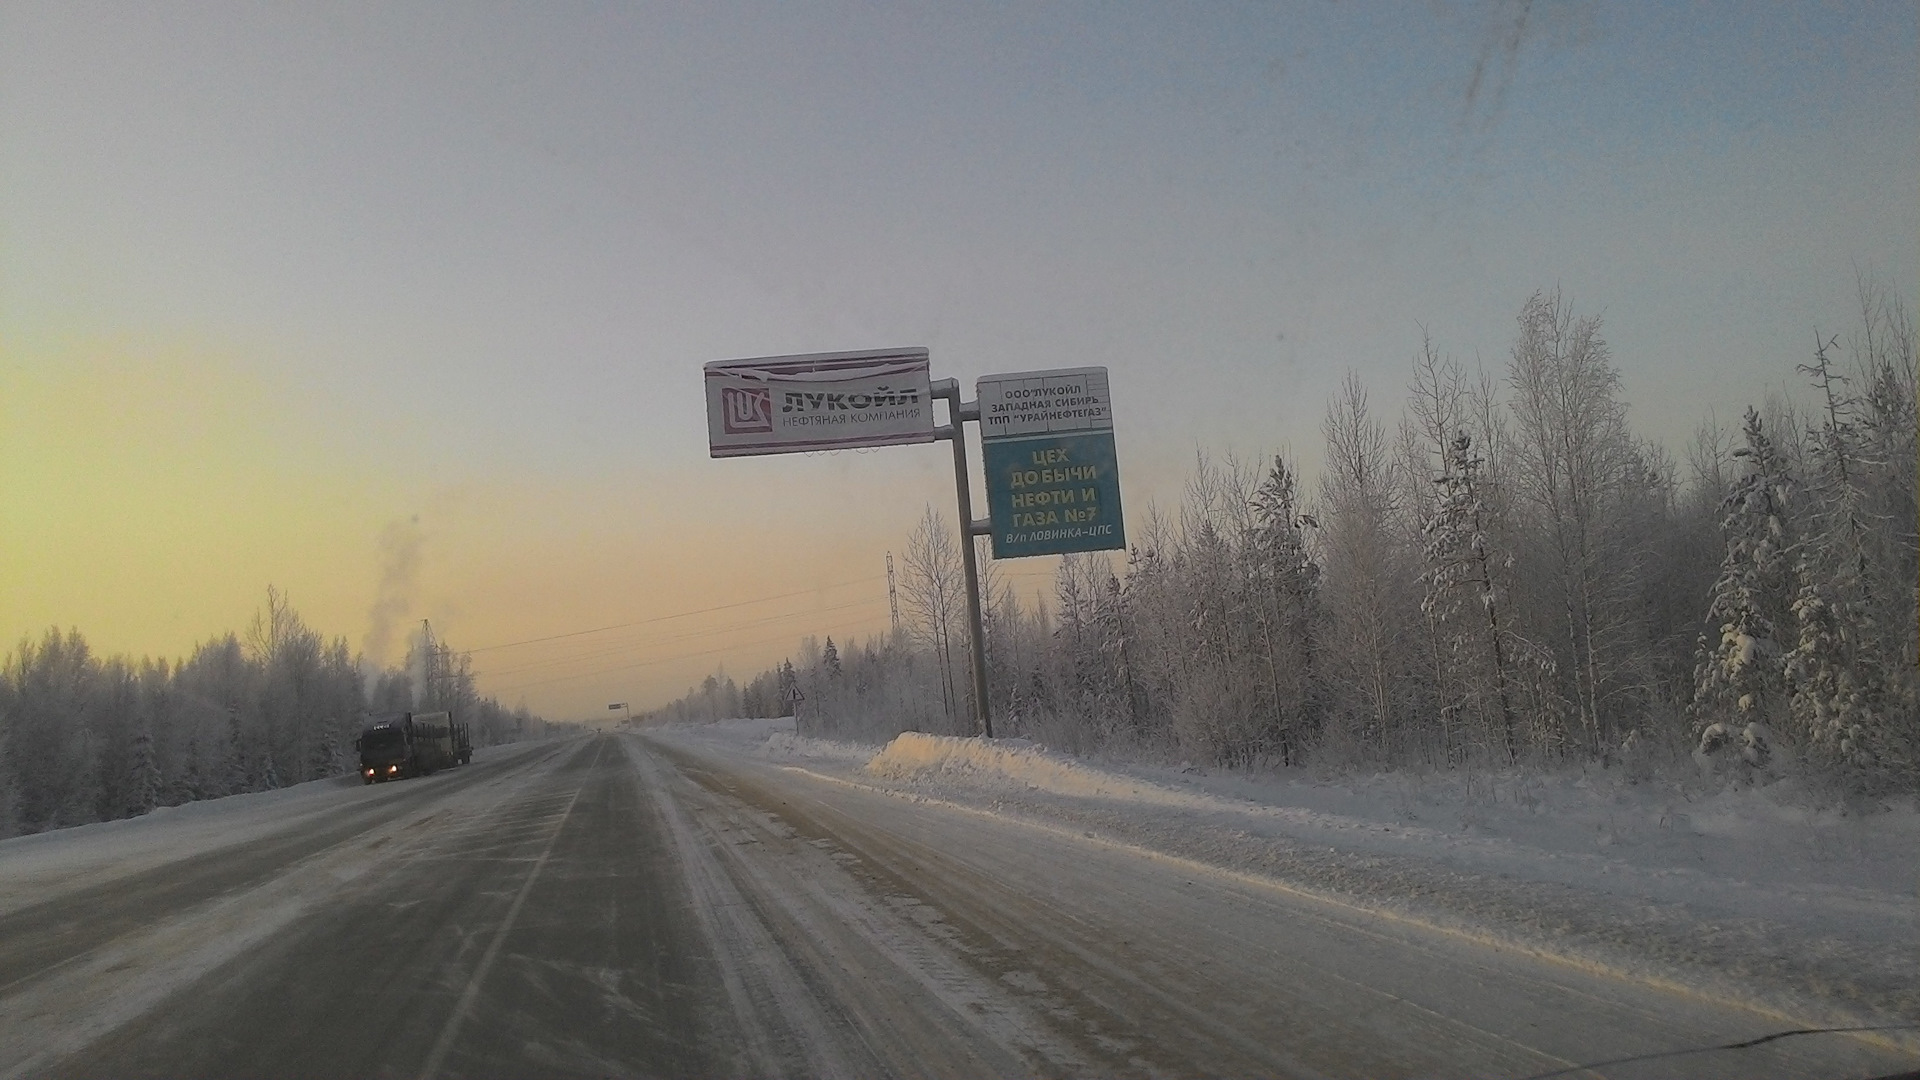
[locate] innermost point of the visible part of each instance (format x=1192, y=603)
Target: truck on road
x=412, y=744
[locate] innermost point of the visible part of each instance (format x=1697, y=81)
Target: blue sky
x=462, y=262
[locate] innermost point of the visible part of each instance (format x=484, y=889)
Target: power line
x=676, y=615
x=664, y=659
x=709, y=632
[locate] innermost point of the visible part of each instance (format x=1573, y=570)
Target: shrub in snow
x=1743, y=754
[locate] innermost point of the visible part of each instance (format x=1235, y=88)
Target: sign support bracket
x=958, y=414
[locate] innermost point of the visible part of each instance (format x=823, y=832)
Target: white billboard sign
x=819, y=401
x=1044, y=402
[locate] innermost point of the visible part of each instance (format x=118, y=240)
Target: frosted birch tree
x=933, y=596
x=1572, y=457
x=1366, y=579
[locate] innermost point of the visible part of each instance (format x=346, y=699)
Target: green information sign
x=1052, y=484
x=1052, y=494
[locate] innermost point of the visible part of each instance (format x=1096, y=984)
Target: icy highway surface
x=627, y=906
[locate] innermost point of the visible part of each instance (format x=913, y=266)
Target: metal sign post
x=957, y=415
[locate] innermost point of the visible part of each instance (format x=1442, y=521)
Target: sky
x=401, y=308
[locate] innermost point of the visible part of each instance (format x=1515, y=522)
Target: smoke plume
x=399, y=566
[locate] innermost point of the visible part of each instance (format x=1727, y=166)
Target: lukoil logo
x=746, y=410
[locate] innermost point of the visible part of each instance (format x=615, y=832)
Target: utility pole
x=429, y=687
x=439, y=675
x=893, y=598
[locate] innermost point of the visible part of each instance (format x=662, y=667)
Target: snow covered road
x=636, y=906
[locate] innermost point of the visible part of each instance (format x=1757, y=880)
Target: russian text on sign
x=1043, y=402
x=818, y=401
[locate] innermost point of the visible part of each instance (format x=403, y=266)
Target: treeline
x=1505, y=574
x=85, y=738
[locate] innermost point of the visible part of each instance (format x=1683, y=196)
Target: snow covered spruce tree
x=1465, y=605
x=1851, y=674
x=1287, y=617
x=1740, y=687
x=1462, y=571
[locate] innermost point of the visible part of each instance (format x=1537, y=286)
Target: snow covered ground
x=34, y=868
x=1757, y=896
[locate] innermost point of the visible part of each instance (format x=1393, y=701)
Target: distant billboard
x=818, y=401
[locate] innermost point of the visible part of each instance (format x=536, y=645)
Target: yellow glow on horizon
x=153, y=492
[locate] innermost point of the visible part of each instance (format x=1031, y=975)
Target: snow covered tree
x=1739, y=678
x=1087, y=673
x=1846, y=707
x=1462, y=599
x=933, y=597
x=1115, y=627
x=1367, y=581
x=789, y=688
x=1889, y=453
x=1285, y=581
x=51, y=694
x=1573, y=464
x=141, y=786
x=9, y=786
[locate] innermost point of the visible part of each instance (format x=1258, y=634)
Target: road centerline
x=444, y=1044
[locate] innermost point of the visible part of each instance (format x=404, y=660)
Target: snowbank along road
x=616, y=906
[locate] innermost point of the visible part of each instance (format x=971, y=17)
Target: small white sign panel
x=1043, y=402
x=819, y=401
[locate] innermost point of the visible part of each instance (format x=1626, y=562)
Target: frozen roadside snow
x=915, y=757
x=773, y=739
x=36, y=868
x=1753, y=895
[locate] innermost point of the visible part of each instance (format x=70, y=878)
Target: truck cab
x=386, y=749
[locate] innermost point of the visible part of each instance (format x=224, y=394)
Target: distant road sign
x=819, y=401
x=1053, y=484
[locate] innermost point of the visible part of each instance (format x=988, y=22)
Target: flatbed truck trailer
x=412, y=744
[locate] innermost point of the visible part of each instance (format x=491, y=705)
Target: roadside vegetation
x=85, y=738
x=1503, y=575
